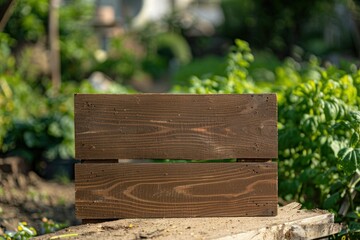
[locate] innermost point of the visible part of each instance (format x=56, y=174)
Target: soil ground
x=290, y=223
x=31, y=199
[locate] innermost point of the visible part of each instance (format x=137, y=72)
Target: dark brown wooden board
x=175, y=126
x=149, y=190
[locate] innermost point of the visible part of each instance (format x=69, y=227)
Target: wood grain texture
x=175, y=190
x=175, y=126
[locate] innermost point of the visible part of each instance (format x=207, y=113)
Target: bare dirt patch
x=291, y=221
x=29, y=198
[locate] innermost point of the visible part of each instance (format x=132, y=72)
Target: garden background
x=308, y=52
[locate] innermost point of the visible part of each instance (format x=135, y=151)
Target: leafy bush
x=319, y=143
x=165, y=47
x=121, y=63
x=319, y=128
x=40, y=127
x=28, y=25
x=34, y=124
x=28, y=21
x=77, y=39
x=7, y=69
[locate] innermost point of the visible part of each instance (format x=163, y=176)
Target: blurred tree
x=54, y=44
x=6, y=8
x=317, y=26
x=28, y=28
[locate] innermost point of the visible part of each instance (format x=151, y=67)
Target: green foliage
x=121, y=64
x=28, y=25
x=25, y=232
x=319, y=126
x=36, y=125
x=236, y=81
x=39, y=127
x=28, y=21
x=77, y=39
x=320, y=27
x=161, y=50
x=318, y=144
x=6, y=107
x=7, y=61
x=203, y=67
x=7, y=70
x=49, y=226
x=172, y=46
x=166, y=49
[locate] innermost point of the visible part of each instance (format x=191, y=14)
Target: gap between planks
x=150, y=160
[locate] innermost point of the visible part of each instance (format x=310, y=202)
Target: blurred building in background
x=114, y=16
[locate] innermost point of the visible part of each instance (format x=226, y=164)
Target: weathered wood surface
x=175, y=190
x=290, y=223
x=175, y=126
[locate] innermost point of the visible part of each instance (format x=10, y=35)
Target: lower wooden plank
x=153, y=190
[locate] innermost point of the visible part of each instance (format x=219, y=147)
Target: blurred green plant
x=237, y=76
x=7, y=61
x=78, y=40
x=202, y=67
x=28, y=21
x=121, y=63
x=36, y=125
x=25, y=232
x=49, y=226
x=40, y=127
x=165, y=47
x=321, y=27
x=153, y=52
x=27, y=29
x=7, y=71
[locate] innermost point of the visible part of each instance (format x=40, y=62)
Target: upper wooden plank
x=175, y=126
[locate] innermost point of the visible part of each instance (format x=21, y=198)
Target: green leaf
x=355, y=115
x=354, y=139
x=310, y=124
x=349, y=159
x=354, y=227
x=343, y=153
x=55, y=130
x=330, y=110
x=336, y=146
x=30, y=139
x=332, y=200
x=354, y=215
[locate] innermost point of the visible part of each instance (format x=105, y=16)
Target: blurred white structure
x=140, y=12
x=153, y=10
